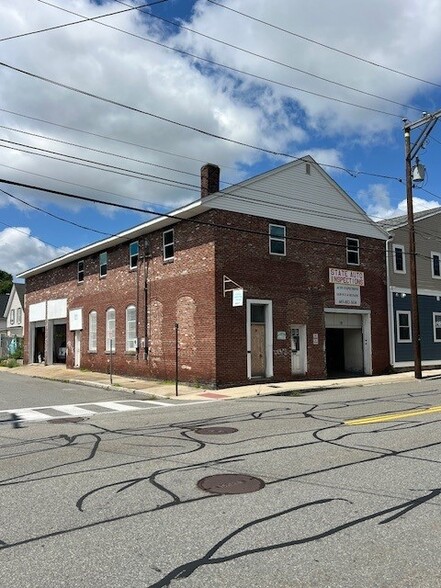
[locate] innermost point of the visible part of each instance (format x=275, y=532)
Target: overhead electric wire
x=174, y=217
x=84, y=19
x=95, y=150
x=55, y=216
x=325, y=46
x=124, y=142
x=274, y=61
x=235, y=70
x=177, y=123
x=93, y=164
x=292, y=206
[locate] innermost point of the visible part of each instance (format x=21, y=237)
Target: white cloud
x=378, y=205
x=19, y=250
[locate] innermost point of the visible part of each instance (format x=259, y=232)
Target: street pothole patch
x=231, y=484
x=215, y=430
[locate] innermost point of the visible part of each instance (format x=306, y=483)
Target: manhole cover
x=215, y=430
x=66, y=420
x=231, y=484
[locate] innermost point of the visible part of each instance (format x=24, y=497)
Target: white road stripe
x=36, y=413
x=72, y=410
x=116, y=406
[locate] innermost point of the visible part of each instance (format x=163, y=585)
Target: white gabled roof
x=287, y=193
x=290, y=194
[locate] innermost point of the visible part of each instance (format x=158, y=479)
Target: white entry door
x=77, y=351
x=298, y=350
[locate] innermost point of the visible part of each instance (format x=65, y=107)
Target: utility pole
x=427, y=121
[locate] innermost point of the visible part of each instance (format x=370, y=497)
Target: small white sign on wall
x=75, y=319
x=315, y=338
x=238, y=297
x=347, y=295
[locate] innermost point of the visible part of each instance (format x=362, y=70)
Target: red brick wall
x=188, y=290
x=298, y=286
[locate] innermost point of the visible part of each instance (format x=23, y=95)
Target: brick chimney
x=210, y=174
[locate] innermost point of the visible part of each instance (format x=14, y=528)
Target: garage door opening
x=348, y=344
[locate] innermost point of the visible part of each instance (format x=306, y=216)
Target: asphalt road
x=113, y=500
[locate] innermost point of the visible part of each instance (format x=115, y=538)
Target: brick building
x=279, y=277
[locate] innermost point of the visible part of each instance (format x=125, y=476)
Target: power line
x=69, y=24
x=95, y=150
x=179, y=124
x=54, y=215
x=100, y=136
x=235, y=70
x=173, y=216
x=274, y=61
x=315, y=42
x=28, y=235
x=192, y=187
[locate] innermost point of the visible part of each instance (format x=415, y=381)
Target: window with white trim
x=404, y=332
x=168, y=244
x=437, y=327
x=352, y=251
x=110, y=329
x=131, y=339
x=12, y=317
x=277, y=239
x=133, y=254
x=103, y=264
x=436, y=264
x=80, y=271
x=92, y=330
x=19, y=316
x=399, y=259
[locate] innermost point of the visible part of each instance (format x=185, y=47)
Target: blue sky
x=332, y=80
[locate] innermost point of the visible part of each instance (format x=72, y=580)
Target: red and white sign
x=344, y=276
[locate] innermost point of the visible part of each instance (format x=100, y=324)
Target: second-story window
x=80, y=271
x=103, y=264
x=168, y=241
x=277, y=239
x=19, y=316
x=134, y=254
x=399, y=260
x=12, y=319
x=352, y=251
x=436, y=265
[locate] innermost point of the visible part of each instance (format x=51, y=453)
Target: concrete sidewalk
x=161, y=389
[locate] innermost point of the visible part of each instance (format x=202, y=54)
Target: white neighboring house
x=14, y=312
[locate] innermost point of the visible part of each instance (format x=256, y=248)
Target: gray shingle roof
x=398, y=221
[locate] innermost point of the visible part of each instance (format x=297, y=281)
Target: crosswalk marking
x=37, y=413
x=73, y=410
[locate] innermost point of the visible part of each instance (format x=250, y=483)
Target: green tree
x=5, y=282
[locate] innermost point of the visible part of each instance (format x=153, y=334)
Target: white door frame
x=365, y=331
x=77, y=349
x=302, y=350
x=268, y=336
